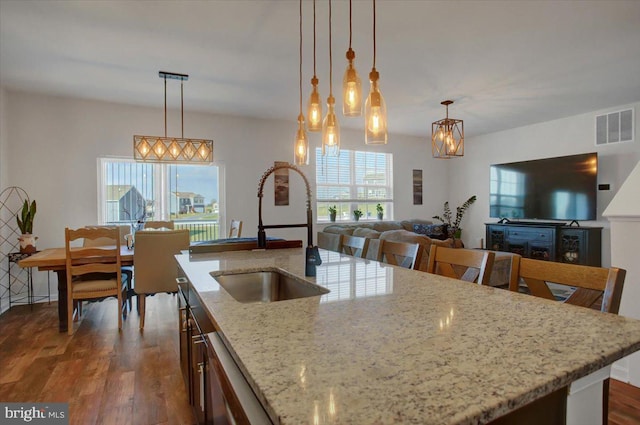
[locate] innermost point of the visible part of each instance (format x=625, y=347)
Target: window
x=354, y=180
x=132, y=191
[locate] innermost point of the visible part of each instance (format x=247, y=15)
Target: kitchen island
x=390, y=345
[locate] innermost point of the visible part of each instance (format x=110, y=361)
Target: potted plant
x=453, y=227
x=25, y=224
x=332, y=213
x=380, y=211
x=357, y=214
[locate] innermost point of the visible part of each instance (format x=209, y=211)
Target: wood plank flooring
x=130, y=377
x=107, y=377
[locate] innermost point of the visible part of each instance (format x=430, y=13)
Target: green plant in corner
x=25, y=219
x=357, y=214
x=454, y=227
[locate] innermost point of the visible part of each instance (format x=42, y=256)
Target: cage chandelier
x=447, y=136
x=172, y=149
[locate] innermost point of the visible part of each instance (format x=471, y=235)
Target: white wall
x=566, y=136
x=3, y=138
x=54, y=143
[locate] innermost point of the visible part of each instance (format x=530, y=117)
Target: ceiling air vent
x=614, y=127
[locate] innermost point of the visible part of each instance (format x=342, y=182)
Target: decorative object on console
x=172, y=149
x=351, y=85
x=314, y=111
x=380, y=211
x=332, y=213
x=330, y=126
x=301, y=144
x=25, y=224
x=357, y=214
x=454, y=227
x=375, y=109
x=447, y=136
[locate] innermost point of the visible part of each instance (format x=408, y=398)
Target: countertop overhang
x=390, y=345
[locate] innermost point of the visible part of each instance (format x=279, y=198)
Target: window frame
x=161, y=183
x=353, y=188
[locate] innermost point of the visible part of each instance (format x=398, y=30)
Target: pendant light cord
x=300, y=71
x=374, y=33
x=350, y=25
x=330, y=57
x=182, y=107
x=165, y=106
x=314, y=38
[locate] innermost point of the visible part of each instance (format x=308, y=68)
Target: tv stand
x=547, y=241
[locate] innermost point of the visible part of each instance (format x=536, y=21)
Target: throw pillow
x=434, y=231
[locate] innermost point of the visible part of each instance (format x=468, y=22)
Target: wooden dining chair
x=155, y=265
x=159, y=224
x=101, y=263
x=470, y=265
x=235, y=228
x=127, y=271
x=401, y=254
x=354, y=245
x=595, y=287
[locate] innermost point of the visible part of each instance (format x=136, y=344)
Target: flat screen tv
x=561, y=188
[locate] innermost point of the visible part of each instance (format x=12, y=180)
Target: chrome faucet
x=312, y=255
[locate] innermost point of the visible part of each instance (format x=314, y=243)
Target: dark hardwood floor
x=130, y=377
x=107, y=377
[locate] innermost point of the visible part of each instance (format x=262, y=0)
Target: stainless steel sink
x=267, y=286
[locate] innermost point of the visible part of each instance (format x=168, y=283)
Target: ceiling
x=505, y=63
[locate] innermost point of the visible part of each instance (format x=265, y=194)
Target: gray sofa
x=400, y=231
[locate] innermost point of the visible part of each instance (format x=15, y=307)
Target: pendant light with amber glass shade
x=301, y=146
x=314, y=111
x=330, y=126
x=447, y=136
x=375, y=109
x=351, y=85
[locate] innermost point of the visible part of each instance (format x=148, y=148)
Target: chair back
x=83, y=260
x=155, y=267
x=354, y=245
x=159, y=224
x=123, y=230
x=470, y=265
x=235, y=228
x=400, y=254
x=594, y=285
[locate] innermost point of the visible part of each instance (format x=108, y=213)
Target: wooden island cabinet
x=547, y=241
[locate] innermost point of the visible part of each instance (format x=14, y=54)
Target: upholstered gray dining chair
x=155, y=267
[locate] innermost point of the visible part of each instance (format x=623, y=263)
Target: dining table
x=54, y=259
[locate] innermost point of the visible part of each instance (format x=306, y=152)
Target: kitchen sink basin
x=267, y=286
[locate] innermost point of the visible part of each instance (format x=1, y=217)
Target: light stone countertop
x=390, y=345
